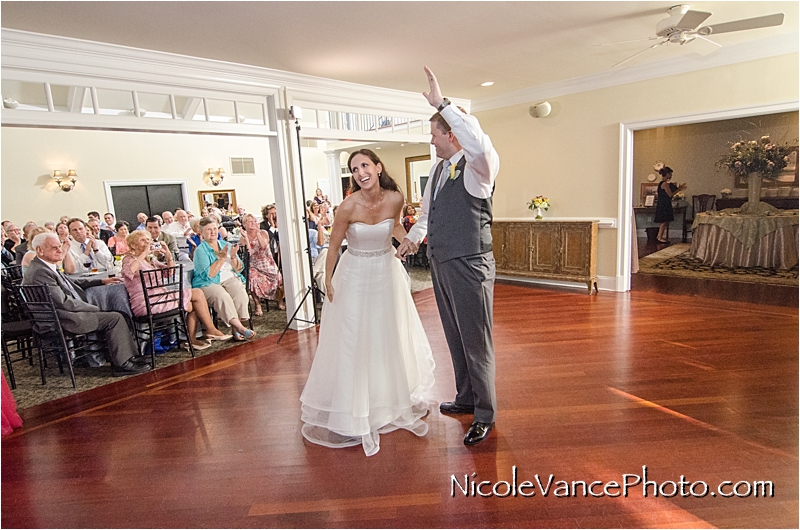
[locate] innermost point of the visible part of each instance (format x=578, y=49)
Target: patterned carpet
x=676, y=261
x=30, y=390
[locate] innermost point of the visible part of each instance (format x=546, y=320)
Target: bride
x=373, y=368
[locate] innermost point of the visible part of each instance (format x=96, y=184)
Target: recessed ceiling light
x=487, y=83
x=377, y=147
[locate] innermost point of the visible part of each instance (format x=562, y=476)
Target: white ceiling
x=515, y=44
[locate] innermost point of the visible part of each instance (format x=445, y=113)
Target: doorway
x=129, y=200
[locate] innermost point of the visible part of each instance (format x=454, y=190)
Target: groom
x=457, y=217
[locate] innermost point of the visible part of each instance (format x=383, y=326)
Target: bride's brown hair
x=384, y=180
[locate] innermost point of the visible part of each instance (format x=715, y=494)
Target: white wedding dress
x=373, y=368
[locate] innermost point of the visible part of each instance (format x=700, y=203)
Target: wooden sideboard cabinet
x=551, y=250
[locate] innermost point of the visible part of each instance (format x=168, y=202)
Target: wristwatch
x=445, y=103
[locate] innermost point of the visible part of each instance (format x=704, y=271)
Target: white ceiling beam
x=190, y=108
x=75, y=98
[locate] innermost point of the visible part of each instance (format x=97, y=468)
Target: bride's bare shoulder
x=396, y=197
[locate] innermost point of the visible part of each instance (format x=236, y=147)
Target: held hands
x=434, y=97
x=406, y=247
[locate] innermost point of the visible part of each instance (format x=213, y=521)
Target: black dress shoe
x=140, y=359
x=451, y=407
x=131, y=368
x=477, y=432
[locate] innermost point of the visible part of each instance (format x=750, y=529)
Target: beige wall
x=29, y=156
x=394, y=158
x=692, y=150
x=572, y=156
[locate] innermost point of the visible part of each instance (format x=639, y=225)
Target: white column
x=335, y=177
x=290, y=206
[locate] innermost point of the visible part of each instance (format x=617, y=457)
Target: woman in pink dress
x=118, y=242
x=265, y=279
x=143, y=257
x=11, y=419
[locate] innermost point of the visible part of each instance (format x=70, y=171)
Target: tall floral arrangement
x=756, y=156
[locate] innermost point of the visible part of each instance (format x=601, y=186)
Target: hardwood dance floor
x=590, y=388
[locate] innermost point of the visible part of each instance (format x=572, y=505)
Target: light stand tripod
x=312, y=288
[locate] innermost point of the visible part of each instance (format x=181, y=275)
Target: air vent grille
x=243, y=166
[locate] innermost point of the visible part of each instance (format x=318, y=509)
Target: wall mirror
x=417, y=173
x=225, y=200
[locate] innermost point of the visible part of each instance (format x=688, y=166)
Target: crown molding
x=35, y=54
x=750, y=51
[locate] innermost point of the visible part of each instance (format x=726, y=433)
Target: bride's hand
x=329, y=289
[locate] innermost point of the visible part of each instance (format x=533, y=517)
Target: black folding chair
x=66, y=347
x=17, y=332
x=244, y=257
x=163, y=297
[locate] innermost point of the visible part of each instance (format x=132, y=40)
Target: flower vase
x=754, y=187
x=538, y=212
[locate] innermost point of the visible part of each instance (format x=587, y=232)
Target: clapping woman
x=664, y=215
x=217, y=271
x=265, y=278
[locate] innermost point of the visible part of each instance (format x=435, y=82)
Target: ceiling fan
x=683, y=26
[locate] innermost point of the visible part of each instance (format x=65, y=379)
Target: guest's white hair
x=39, y=240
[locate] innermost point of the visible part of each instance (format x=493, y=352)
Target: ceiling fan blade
x=740, y=25
x=691, y=20
x=637, y=53
x=626, y=41
x=709, y=40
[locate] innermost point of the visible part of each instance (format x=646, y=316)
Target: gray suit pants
x=464, y=289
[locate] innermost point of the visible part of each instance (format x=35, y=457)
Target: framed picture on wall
x=649, y=189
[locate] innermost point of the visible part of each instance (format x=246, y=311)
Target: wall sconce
x=214, y=177
x=65, y=183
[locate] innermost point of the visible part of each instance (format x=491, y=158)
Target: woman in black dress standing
x=666, y=190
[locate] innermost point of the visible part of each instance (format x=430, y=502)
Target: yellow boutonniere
x=454, y=174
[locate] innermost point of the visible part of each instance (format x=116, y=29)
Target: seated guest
x=62, y=231
x=50, y=226
x=409, y=217
x=5, y=225
x=89, y=253
x=14, y=238
x=166, y=218
x=319, y=252
x=75, y=313
x=325, y=215
x=99, y=233
x=68, y=265
x=64, y=219
x=110, y=222
x=313, y=215
x=194, y=240
x=265, y=279
x=161, y=238
x=142, y=258
x=118, y=244
x=142, y=218
x=180, y=226
x=22, y=248
x=216, y=273
x=270, y=224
